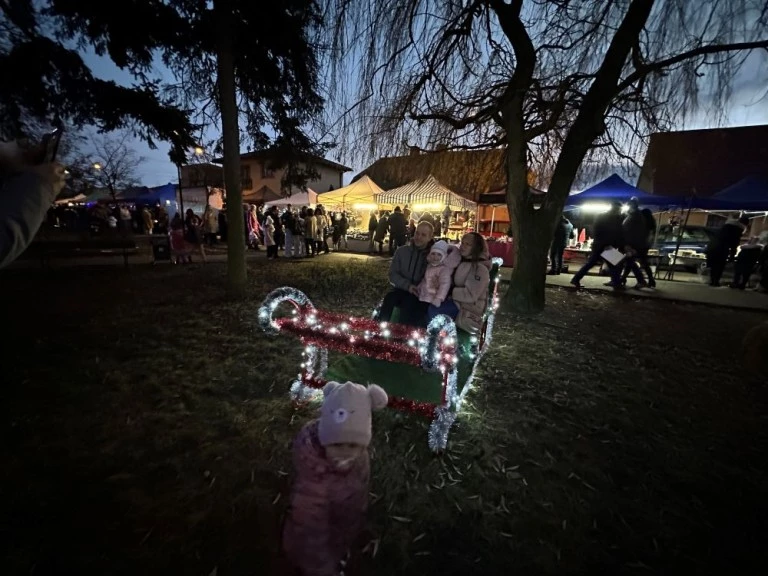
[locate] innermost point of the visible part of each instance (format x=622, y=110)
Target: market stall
x=428, y=196
x=359, y=195
x=358, y=200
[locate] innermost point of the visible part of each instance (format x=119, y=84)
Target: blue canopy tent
x=750, y=193
x=615, y=189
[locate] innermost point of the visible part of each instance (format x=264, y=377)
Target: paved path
x=691, y=292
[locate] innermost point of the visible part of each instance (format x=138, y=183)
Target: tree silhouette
x=114, y=164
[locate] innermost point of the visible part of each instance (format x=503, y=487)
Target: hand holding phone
x=50, y=146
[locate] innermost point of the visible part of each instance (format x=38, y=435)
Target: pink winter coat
x=327, y=507
x=437, y=280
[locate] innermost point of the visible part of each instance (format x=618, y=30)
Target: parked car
x=693, y=238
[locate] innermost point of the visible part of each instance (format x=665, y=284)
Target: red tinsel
x=394, y=348
x=397, y=331
x=426, y=409
x=391, y=351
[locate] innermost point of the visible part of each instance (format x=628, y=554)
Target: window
x=245, y=177
x=698, y=235
x=267, y=172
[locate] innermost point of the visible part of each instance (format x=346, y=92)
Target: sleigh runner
x=424, y=371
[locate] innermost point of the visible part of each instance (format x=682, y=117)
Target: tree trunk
x=236, y=270
x=532, y=236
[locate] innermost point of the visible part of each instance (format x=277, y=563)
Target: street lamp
x=96, y=166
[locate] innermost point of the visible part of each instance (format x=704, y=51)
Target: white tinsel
x=437, y=437
x=274, y=299
x=430, y=354
x=315, y=359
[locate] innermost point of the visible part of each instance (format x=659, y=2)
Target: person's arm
x=474, y=289
x=396, y=276
x=25, y=197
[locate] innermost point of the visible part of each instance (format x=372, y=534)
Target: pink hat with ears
x=346, y=413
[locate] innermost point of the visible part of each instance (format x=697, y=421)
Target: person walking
x=608, y=234
x=635, y=233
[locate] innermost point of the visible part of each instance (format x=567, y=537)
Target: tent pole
x=671, y=272
x=493, y=217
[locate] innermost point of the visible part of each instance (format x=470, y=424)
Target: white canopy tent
x=308, y=198
x=360, y=195
x=427, y=194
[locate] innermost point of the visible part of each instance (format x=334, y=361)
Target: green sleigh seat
x=428, y=372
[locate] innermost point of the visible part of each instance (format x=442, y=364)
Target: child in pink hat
x=329, y=497
x=442, y=260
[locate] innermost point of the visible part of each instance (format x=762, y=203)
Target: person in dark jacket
x=398, y=230
x=745, y=265
x=373, y=222
x=607, y=234
x=563, y=233
x=381, y=232
x=344, y=230
x=723, y=248
x=636, y=235
x=223, y=225
x=405, y=272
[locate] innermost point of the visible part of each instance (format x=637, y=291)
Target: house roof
x=266, y=154
x=707, y=160
x=469, y=173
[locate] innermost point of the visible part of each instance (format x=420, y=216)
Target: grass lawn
x=146, y=430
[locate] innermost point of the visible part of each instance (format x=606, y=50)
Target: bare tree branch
x=645, y=69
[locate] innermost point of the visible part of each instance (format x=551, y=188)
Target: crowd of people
x=301, y=233
x=400, y=226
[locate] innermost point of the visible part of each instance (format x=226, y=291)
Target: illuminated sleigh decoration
x=436, y=350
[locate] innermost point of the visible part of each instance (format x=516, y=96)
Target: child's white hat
x=440, y=247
